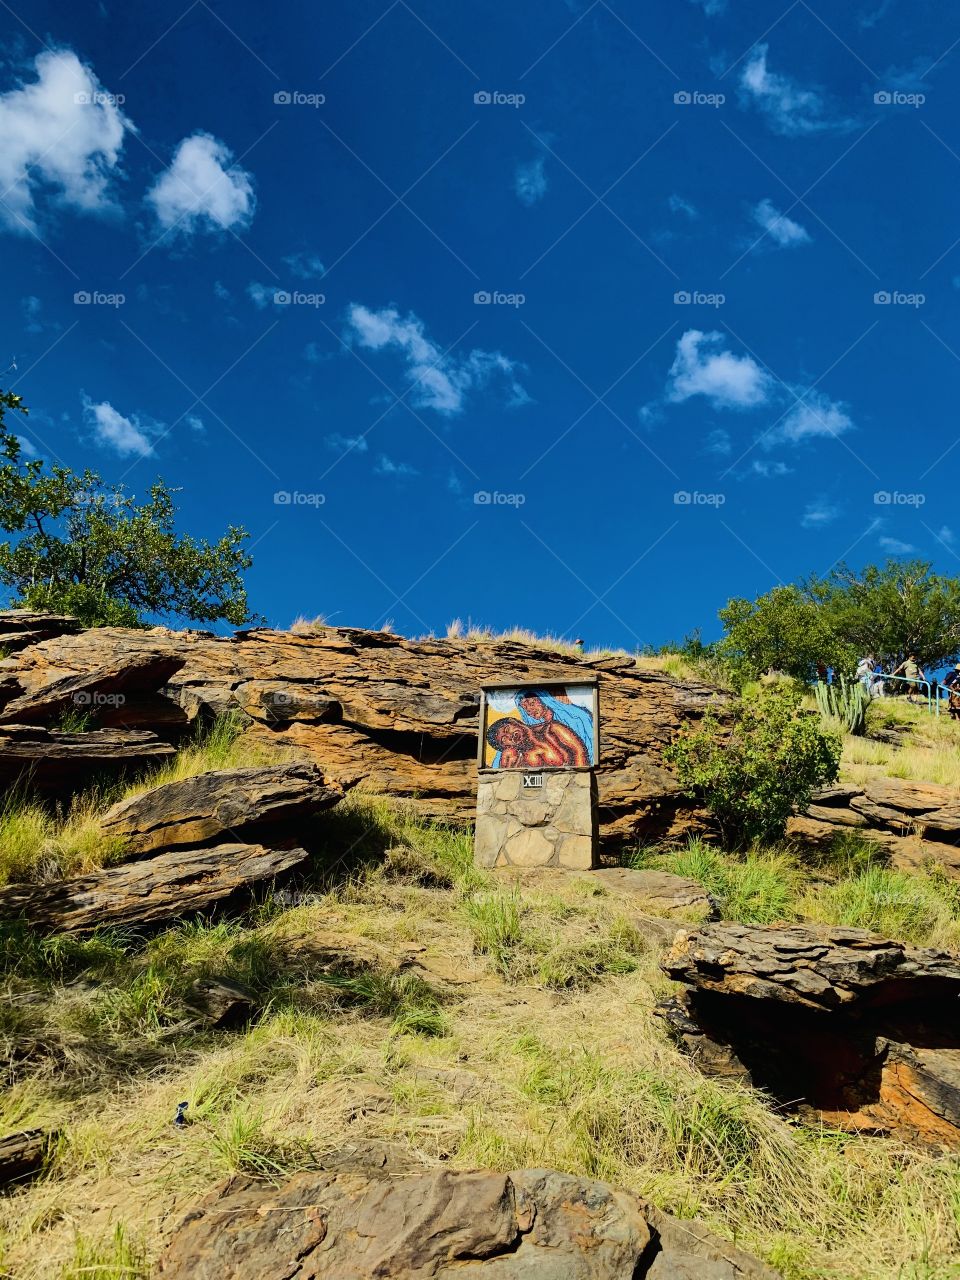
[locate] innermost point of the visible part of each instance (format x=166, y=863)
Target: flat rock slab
x=23, y=1154
x=441, y=1224
x=53, y=761
x=216, y=805
x=660, y=891
x=823, y=967
x=104, y=686
x=858, y=1028
x=150, y=891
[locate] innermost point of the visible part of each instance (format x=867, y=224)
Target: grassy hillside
x=476, y=1019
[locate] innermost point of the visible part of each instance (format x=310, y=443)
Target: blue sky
x=578, y=316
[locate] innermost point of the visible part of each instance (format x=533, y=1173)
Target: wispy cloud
x=703, y=367
x=895, y=546
x=305, y=265
x=818, y=513
x=768, y=469
x=718, y=442
x=442, y=381
x=530, y=181
x=711, y=7
x=344, y=444
x=790, y=109
x=127, y=437
x=677, y=204
x=202, y=189
x=62, y=132
x=813, y=415
x=783, y=231
x=387, y=467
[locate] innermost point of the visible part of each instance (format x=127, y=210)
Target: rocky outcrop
x=915, y=823
x=660, y=892
x=23, y=1154
x=399, y=715
x=857, y=1028
x=438, y=1224
x=57, y=762
x=105, y=686
x=220, y=804
x=165, y=887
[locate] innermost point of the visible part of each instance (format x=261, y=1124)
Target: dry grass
x=39, y=843
x=475, y=634
x=472, y=1020
x=929, y=751
x=302, y=626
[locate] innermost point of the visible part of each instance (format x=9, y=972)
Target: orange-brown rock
x=860, y=1029
x=218, y=805
x=169, y=886
x=403, y=1223
x=56, y=762
x=399, y=715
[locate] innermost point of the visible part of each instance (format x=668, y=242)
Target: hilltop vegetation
x=476, y=1019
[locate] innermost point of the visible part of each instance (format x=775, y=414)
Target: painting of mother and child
x=540, y=728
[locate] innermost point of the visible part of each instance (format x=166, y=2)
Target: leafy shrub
x=755, y=771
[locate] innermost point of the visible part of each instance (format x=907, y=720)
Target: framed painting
x=542, y=726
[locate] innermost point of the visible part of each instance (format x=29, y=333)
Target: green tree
x=84, y=547
x=783, y=629
x=891, y=610
x=755, y=770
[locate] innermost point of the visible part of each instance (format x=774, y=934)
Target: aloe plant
x=846, y=701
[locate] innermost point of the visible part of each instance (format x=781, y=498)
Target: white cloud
x=305, y=265
x=946, y=534
x=812, y=416
x=781, y=229
x=819, y=513
x=790, y=109
x=443, y=381
x=703, y=368
x=196, y=424
x=31, y=307
x=202, y=189
x=387, y=467
x=677, y=204
x=28, y=447
x=762, y=467
x=712, y=7
x=344, y=444
x=896, y=547
x=62, y=131
x=261, y=295
x=221, y=291
x=530, y=181
x=718, y=442
x=125, y=436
